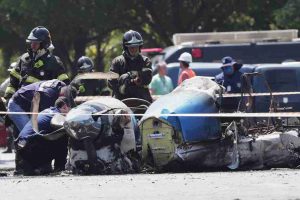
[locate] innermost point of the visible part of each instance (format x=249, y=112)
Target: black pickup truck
x=280, y=77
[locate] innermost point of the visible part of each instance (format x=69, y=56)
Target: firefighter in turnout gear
x=134, y=70
x=37, y=64
x=89, y=87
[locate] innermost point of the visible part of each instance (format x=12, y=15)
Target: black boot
x=8, y=150
x=10, y=142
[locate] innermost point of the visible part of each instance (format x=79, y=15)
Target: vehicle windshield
x=282, y=80
x=279, y=80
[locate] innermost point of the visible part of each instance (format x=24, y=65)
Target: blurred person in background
x=230, y=77
x=185, y=59
x=161, y=84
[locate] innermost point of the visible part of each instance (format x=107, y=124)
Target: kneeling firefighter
x=96, y=133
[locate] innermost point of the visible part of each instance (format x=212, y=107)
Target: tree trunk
x=61, y=50
x=6, y=56
x=99, y=64
x=79, y=48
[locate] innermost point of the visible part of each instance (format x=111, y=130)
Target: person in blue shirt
x=35, y=153
x=230, y=78
x=22, y=99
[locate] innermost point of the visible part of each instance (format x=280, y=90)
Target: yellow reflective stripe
x=31, y=79
x=81, y=89
x=38, y=64
x=63, y=77
x=15, y=74
x=146, y=86
x=10, y=90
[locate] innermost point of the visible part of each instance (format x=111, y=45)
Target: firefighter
x=134, y=70
x=37, y=64
x=88, y=87
x=37, y=152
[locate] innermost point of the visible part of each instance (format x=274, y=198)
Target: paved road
x=272, y=184
x=7, y=160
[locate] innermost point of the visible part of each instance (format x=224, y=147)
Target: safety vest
x=186, y=73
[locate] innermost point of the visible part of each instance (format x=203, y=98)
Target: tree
x=72, y=29
x=159, y=20
x=288, y=16
x=10, y=44
x=78, y=24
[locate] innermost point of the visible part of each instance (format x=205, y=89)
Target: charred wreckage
x=185, y=129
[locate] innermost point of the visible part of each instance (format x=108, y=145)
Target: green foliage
x=95, y=27
x=288, y=16
x=73, y=23
x=111, y=48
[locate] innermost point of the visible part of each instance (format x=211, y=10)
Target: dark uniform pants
x=39, y=152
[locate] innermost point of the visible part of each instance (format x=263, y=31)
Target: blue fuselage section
x=193, y=129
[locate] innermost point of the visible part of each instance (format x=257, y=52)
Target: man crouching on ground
x=36, y=152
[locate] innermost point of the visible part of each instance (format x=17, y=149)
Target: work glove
x=125, y=81
x=145, y=76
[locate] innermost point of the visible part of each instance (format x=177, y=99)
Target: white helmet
x=185, y=57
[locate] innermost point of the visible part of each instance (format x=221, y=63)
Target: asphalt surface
x=271, y=184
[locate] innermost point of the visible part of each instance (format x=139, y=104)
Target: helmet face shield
x=133, y=45
x=35, y=45
x=32, y=38
x=85, y=68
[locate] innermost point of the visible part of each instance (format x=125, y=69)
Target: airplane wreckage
x=175, y=136
x=180, y=130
